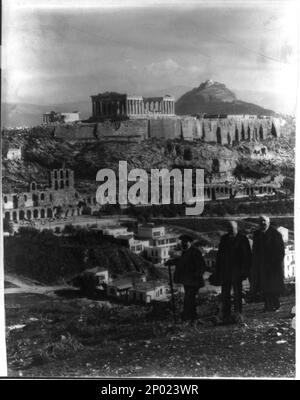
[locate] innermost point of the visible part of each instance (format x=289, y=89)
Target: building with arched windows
x=59, y=198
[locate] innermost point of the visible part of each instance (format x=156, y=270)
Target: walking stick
x=172, y=294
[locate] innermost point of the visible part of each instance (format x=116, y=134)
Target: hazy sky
x=68, y=52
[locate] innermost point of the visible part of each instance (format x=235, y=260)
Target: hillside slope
x=42, y=152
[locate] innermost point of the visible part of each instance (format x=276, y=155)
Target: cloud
x=170, y=66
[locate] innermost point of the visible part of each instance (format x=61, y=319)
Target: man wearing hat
x=189, y=269
x=267, y=274
x=232, y=267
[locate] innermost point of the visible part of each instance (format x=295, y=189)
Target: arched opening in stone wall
x=213, y=194
x=273, y=130
x=228, y=138
x=5, y=199
x=219, y=137
x=61, y=173
x=49, y=213
x=28, y=214
x=7, y=216
x=14, y=216
x=15, y=201
x=42, y=213
x=243, y=133
x=35, y=200
x=56, y=185
x=33, y=186
x=35, y=213
x=21, y=215
x=61, y=184
x=261, y=133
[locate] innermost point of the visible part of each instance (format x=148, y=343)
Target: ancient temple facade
x=110, y=104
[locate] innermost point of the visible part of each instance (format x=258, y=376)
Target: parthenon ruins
x=111, y=104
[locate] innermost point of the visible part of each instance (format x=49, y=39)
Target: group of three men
x=236, y=261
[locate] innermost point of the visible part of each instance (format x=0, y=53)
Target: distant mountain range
x=23, y=114
x=210, y=97
x=215, y=98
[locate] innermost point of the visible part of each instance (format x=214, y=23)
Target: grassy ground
x=81, y=337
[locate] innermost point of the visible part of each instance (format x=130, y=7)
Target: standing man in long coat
x=232, y=267
x=189, y=269
x=267, y=275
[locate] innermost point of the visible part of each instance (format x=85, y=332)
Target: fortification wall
x=135, y=129
x=166, y=128
x=215, y=130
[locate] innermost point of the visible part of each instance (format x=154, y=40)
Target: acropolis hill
x=121, y=117
x=148, y=134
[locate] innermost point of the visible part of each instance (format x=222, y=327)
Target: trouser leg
x=268, y=302
x=189, y=305
x=237, y=297
x=226, y=300
x=275, y=301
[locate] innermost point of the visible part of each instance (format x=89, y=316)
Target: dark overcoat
x=233, y=260
x=267, y=272
x=189, y=268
